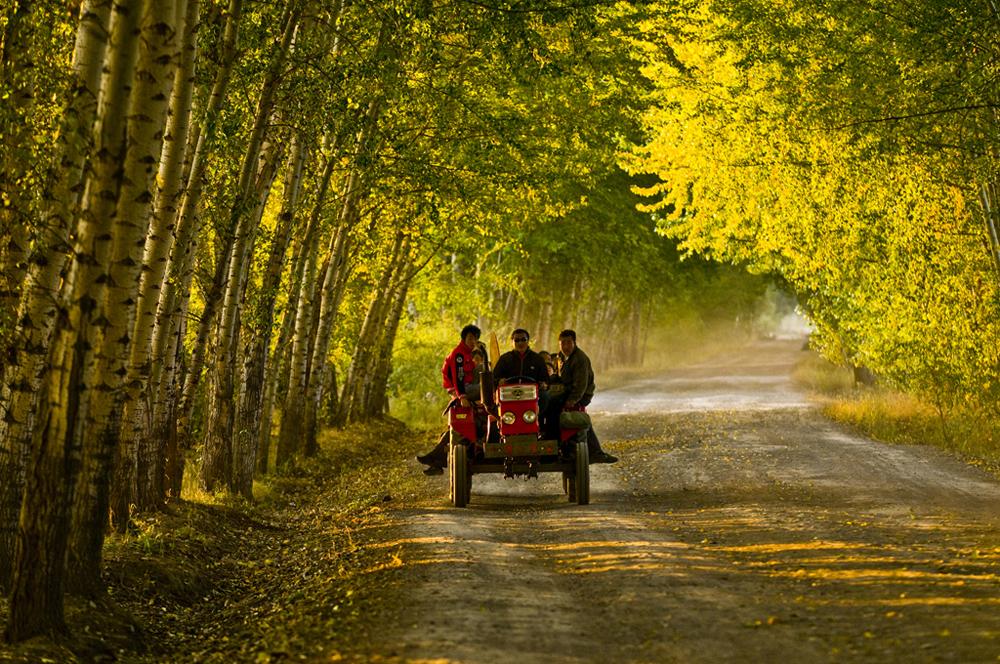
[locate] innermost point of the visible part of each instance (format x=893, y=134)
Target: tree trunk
x=290, y=434
x=217, y=450
x=173, y=299
x=364, y=358
x=37, y=587
x=143, y=373
x=337, y=273
x=330, y=294
x=147, y=111
x=377, y=401
x=217, y=459
x=248, y=413
x=300, y=346
x=37, y=311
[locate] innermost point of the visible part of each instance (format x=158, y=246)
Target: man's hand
x=464, y=402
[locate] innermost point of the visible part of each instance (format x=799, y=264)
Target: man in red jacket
x=458, y=370
x=458, y=373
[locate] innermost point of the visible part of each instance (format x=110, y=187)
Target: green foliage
x=840, y=147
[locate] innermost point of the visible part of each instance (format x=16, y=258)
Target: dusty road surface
x=740, y=525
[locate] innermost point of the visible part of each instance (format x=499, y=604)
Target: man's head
x=567, y=341
x=520, y=338
x=470, y=336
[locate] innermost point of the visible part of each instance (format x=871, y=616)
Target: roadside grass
x=888, y=415
x=822, y=377
x=215, y=578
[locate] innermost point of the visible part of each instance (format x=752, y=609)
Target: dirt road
x=740, y=525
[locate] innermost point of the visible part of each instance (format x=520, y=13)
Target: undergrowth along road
x=288, y=579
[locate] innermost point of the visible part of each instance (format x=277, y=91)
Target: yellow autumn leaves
x=809, y=148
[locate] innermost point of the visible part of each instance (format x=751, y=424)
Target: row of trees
x=850, y=147
x=216, y=213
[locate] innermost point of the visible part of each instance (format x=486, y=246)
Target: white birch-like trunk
x=37, y=310
x=160, y=45
x=39, y=559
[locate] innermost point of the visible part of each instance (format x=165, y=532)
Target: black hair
x=471, y=328
x=568, y=333
x=518, y=331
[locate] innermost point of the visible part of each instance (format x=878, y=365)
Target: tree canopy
x=848, y=148
x=227, y=224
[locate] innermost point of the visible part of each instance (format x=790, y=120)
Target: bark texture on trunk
x=171, y=308
x=218, y=452
x=38, y=579
x=142, y=371
x=252, y=393
x=217, y=456
x=376, y=399
x=335, y=279
x=364, y=358
x=301, y=317
x=38, y=307
x=159, y=46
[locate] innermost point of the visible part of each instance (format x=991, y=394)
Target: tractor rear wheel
x=581, y=483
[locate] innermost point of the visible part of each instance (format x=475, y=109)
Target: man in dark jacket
x=578, y=378
x=576, y=372
x=522, y=361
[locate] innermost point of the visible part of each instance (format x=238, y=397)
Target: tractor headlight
x=508, y=417
x=529, y=416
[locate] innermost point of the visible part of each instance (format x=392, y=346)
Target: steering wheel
x=527, y=379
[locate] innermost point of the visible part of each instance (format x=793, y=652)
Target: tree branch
x=910, y=116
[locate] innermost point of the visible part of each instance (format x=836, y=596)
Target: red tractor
x=505, y=437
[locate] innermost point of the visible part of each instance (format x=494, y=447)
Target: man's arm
x=450, y=376
x=578, y=379
x=541, y=374
x=503, y=368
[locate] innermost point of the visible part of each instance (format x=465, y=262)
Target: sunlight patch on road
x=412, y=540
x=911, y=601
x=782, y=547
x=880, y=575
x=435, y=561
x=662, y=570
x=568, y=546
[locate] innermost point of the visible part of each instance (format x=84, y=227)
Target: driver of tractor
x=523, y=362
